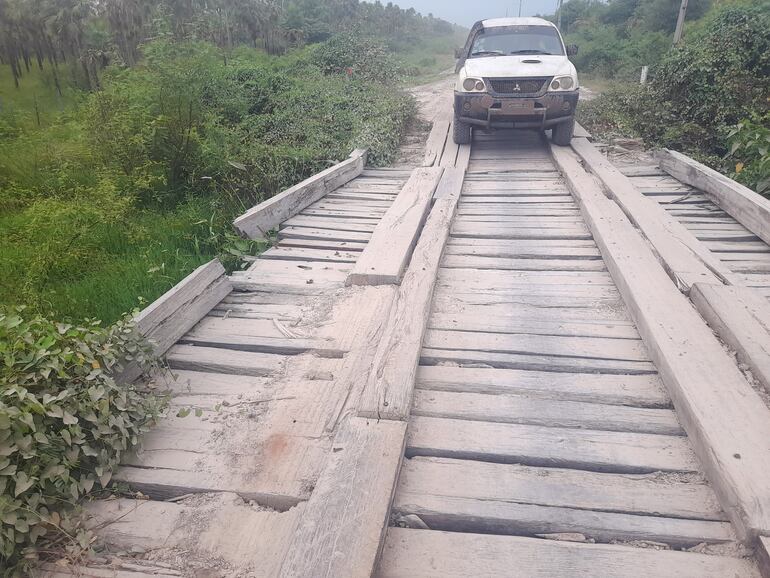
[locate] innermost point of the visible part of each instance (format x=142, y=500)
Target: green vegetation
x=708, y=97
x=64, y=424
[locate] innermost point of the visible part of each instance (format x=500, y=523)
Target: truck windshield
x=517, y=40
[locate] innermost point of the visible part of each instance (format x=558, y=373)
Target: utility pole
x=520, y=1
x=680, y=23
x=558, y=14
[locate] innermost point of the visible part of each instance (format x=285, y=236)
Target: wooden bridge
x=515, y=360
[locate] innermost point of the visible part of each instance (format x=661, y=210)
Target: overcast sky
x=466, y=12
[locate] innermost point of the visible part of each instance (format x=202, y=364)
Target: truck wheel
x=462, y=132
x=562, y=132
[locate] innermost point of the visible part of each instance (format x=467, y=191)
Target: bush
x=64, y=423
x=750, y=151
x=361, y=57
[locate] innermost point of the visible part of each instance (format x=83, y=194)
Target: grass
x=429, y=59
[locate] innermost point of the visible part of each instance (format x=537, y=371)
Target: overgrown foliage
x=64, y=424
x=135, y=185
x=709, y=97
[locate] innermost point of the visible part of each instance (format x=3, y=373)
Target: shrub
x=365, y=58
x=750, y=151
x=64, y=423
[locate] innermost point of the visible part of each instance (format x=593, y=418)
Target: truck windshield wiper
x=487, y=52
x=532, y=52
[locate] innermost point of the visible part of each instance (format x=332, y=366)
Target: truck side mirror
x=572, y=50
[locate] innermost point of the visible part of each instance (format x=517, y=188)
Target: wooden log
x=386, y=256
x=741, y=318
x=388, y=392
x=685, y=258
x=426, y=554
x=342, y=528
x=265, y=217
x=727, y=421
x=746, y=206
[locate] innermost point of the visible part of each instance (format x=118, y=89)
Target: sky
x=466, y=12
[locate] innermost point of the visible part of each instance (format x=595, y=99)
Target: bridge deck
x=540, y=438
x=537, y=411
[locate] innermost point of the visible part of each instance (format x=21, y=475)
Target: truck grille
x=519, y=86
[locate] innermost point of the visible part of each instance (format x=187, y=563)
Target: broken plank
x=226, y=361
x=426, y=554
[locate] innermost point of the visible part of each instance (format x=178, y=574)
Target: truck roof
x=529, y=21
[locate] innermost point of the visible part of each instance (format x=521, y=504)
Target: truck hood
x=518, y=66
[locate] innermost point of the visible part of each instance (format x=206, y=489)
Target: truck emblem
x=517, y=88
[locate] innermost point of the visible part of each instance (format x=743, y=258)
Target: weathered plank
x=341, y=530
x=684, y=257
x=225, y=361
x=426, y=554
x=388, y=392
x=632, y=390
x=742, y=320
x=179, y=309
x=593, y=450
x=436, y=141
x=385, y=258
x=260, y=220
x=521, y=409
x=725, y=418
x=748, y=208
x=658, y=494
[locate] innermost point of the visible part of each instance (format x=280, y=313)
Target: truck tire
x=462, y=132
x=562, y=132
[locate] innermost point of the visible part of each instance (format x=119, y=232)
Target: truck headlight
x=562, y=83
x=474, y=85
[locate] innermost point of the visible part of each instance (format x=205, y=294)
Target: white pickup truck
x=515, y=73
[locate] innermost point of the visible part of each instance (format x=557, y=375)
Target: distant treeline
x=92, y=34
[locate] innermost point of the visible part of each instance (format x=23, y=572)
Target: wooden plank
x=592, y=450
x=506, y=517
x=179, y=309
x=260, y=220
x=533, y=324
x=585, y=347
x=341, y=530
x=388, y=392
x=742, y=320
x=225, y=361
x=435, y=145
x=685, y=258
x=749, y=208
x=658, y=494
x=385, y=258
x=763, y=556
x=499, y=263
x=426, y=554
x=725, y=418
x=521, y=409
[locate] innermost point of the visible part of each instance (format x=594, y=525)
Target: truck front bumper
x=488, y=111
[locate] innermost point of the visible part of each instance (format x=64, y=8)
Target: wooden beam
x=746, y=206
x=435, y=145
x=686, y=259
x=387, y=255
x=726, y=420
x=268, y=215
x=741, y=318
x=343, y=526
x=388, y=392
